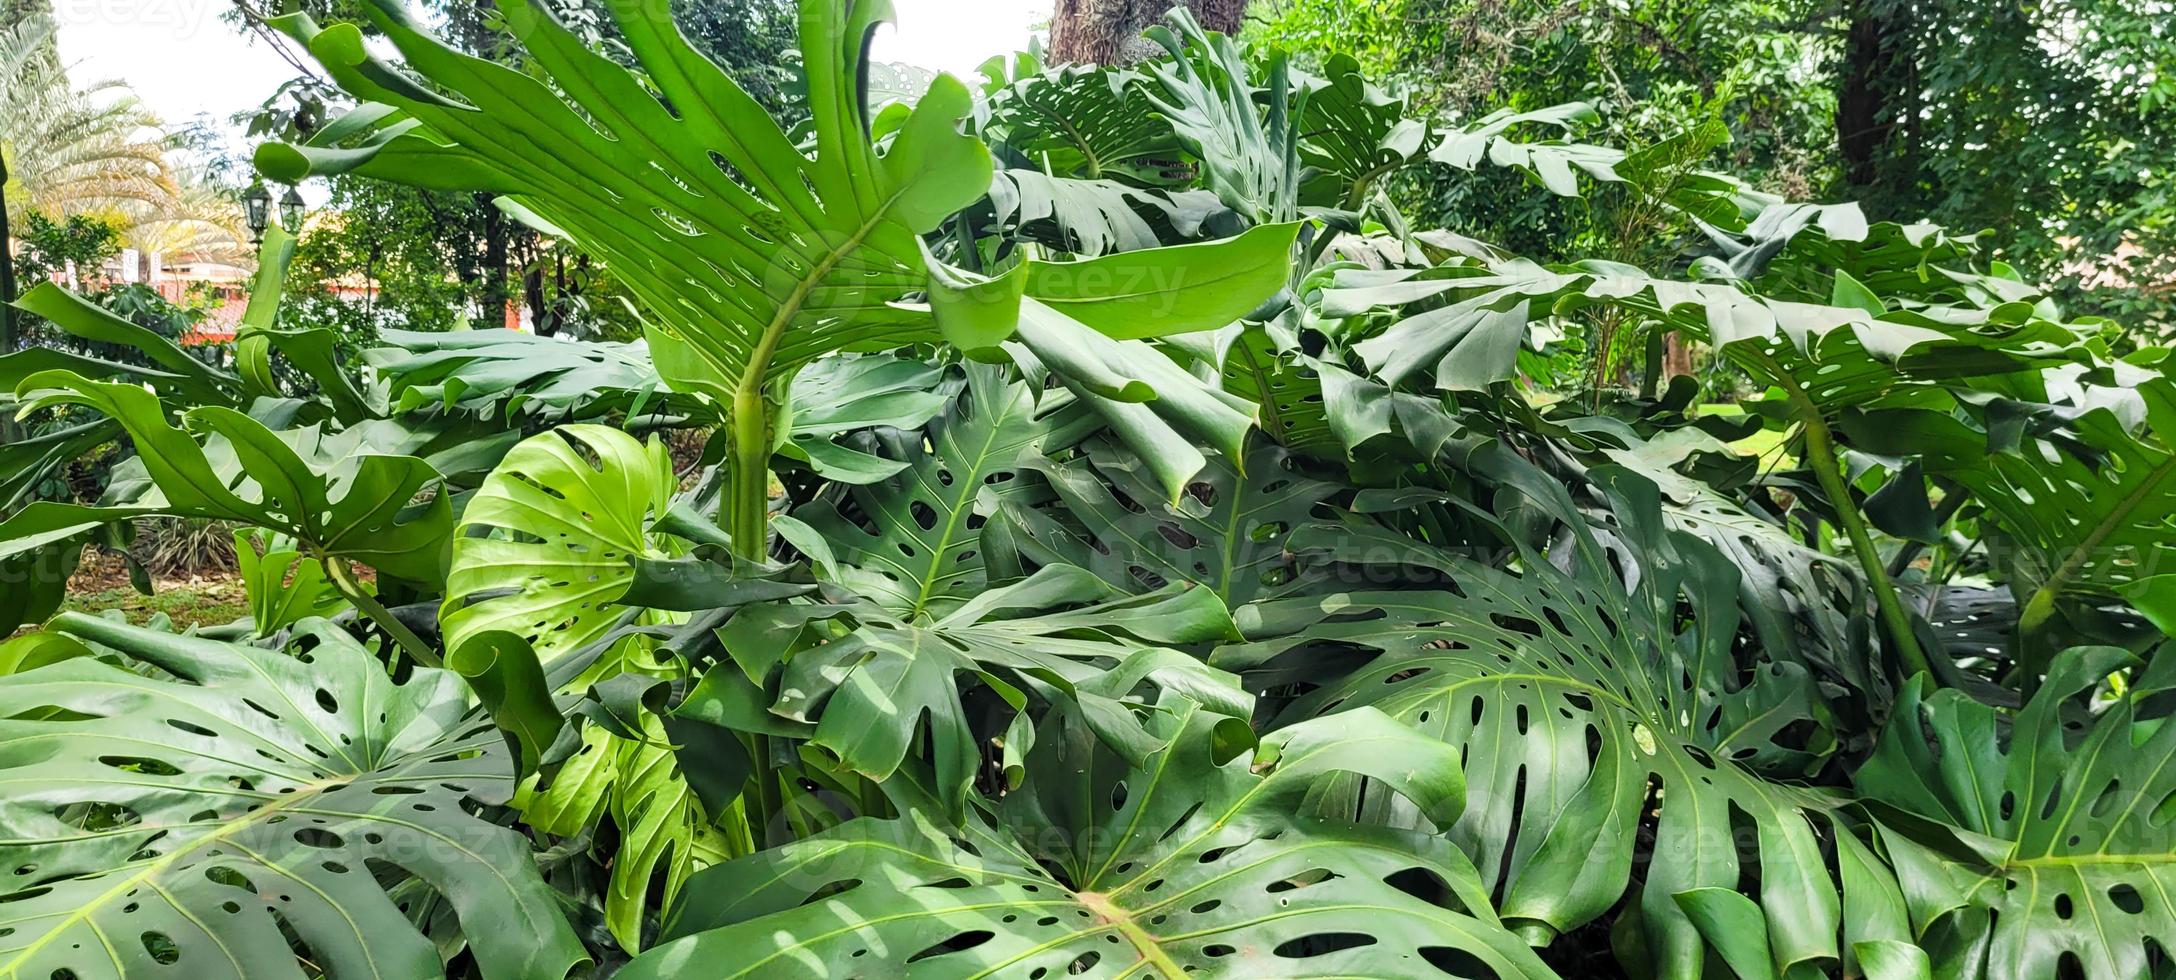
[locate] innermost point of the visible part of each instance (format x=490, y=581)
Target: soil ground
x=101, y=583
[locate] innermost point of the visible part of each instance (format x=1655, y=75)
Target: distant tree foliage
x=2053, y=125
x=434, y=260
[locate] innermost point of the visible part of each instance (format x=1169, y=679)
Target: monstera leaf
x=751, y=258
x=875, y=689
x=1551, y=160
x=285, y=586
x=1226, y=533
x=1084, y=323
x=1249, y=152
x=1294, y=389
x=916, y=545
x=28, y=461
x=1096, y=217
x=634, y=782
x=174, y=373
x=1807, y=606
x=1573, y=689
x=341, y=500
x=1472, y=341
x=550, y=548
x=2038, y=847
x=2091, y=510
x=514, y=375
x=848, y=393
x=27, y=465
x=1889, y=258
x=549, y=544
x=1468, y=317
x=1089, y=122
x=246, y=817
x=1353, y=134
x=1187, y=864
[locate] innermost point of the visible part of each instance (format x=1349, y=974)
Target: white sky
x=182, y=60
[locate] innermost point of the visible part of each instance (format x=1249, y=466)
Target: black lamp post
x=257, y=210
x=291, y=211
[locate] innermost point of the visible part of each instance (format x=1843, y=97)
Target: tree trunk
x=1108, y=32
x=7, y=270
x=496, y=292
x=1869, y=94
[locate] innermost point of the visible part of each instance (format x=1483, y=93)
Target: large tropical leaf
x=548, y=545
x=29, y=465
x=1470, y=342
x=1096, y=217
x=1498, y=139
x=1352, y=135
x=1086, y=121
x=1468, y=317
x=751, y=257
x=2089, y=511
x=192, y=824
x=338, y=498
x=1808, y=607
x=2038, y=847
x=912, y=542
x=844, y=394
x=172, y=370
x=871, y=691
x=1249, y=152
x=1227, y=533
x=1184, y=865
x=634, y=783
x=1576, y=689
x=514, y=375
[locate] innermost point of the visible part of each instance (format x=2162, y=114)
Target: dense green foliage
x=2052, y=125
x=1077, y=525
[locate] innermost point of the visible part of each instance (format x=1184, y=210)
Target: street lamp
x=291, y=211
x=257, y=207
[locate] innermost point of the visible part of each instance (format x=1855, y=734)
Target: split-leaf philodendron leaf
x=188, y=824
x=1182, y=864
x=751, y=258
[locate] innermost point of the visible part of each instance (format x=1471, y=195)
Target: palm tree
x=200, y=218
x=75, y=149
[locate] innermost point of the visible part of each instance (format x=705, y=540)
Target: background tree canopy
x=2052, y=125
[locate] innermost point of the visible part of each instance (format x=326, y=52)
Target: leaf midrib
x=766, y=348
x=151, y=869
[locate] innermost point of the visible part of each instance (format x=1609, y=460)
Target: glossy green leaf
x=340, y=500
x=1102, y=869
x=1569, y=692
x=547, y=546
x=192, y=823
x=2046, y=842
x=750, y=258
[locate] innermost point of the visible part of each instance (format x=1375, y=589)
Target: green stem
x=769, y=802
x=2033, y=655
x=351, y=588
x=1821, y=455
x=1657, y=353
x=748, y=477
x=746, y=518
